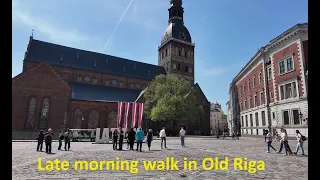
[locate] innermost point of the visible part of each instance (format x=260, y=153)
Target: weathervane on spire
x=32, y=33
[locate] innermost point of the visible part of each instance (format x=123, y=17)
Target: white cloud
x=44, y=26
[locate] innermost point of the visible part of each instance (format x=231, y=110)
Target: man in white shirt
x=182, y=133
x=162, y=135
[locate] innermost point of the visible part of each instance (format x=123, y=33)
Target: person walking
x=162, y=135
x=61, y=137
x=268, y=137
x=115, y=139
x=182, y=133
x=131, y=138
x=300, y=140
x=121, y=137
x=282, y=137
x=48, y=140
x=67, y=137
x=149, y=138
x=40, y=139
x=139, y=137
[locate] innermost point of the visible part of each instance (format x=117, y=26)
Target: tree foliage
x=169, y=98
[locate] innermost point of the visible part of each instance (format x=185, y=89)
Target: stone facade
x=272, y=87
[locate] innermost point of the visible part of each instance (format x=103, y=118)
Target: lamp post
x=301, y=116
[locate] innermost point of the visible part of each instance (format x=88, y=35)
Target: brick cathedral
x=63, y=87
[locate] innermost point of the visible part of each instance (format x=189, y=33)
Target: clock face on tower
x=182, y=36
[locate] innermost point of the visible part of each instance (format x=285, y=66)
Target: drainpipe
x=266, y=80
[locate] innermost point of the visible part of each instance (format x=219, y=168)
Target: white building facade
x=230, y=117
x=272, y=87
x=217, y=122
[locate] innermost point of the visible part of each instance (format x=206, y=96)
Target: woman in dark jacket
x=40, y=139
x=48, y=140
x=131, y=138
x=149, y=138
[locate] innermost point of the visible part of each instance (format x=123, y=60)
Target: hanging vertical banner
x=134, y=114
x=140, y=114
x=127, y=106
x=120, y=105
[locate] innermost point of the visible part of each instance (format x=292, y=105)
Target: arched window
x=186, y=69
x=112, y=120
x=93, y=120
x=44, y=113
x=174, y=66
x=32, y=107
x=77, y=118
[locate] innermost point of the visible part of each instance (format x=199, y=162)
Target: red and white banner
x=140, y=114
x=126, y=110
x=134, y=114
x=120, y=105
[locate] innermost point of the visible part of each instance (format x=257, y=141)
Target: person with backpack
x=48, y=140
x=300, y=139
x=40, y=139
x=61, y=137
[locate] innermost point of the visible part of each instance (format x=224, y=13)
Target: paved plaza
x=277, y=166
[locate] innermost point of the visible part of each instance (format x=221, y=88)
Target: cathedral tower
x=176, y=52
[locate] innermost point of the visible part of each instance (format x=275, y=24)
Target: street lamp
x=301, y=116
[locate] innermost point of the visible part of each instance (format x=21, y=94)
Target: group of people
x=132, y=136
x=118, y=137
x=47, y=138
x=284, y=142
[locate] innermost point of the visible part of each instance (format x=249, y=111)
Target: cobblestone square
x=277, y=166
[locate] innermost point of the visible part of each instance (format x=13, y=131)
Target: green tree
x=169, y=98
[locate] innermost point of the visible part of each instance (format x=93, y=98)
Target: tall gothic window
x=44, y=113
x=32, y=107
x=77, y=118
x=112, y=119
x=93, y=120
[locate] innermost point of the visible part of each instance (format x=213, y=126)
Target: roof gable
x=80, y=59
x=201, y=92
x=41, y=76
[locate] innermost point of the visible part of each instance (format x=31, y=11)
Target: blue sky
x=227, y=33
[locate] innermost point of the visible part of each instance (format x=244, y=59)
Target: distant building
x=217, y=122
x=272, y=88
x=229, y=117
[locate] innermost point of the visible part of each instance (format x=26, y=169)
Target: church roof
x=89, y=92
x=81, y=59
